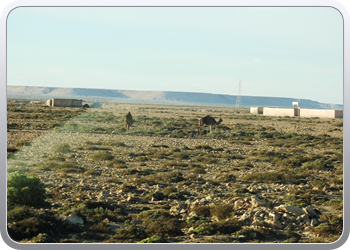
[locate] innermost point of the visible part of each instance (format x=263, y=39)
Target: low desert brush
x=221, y=211
x=102, y=156
x=154, y=239
x=61, y=148
x=24, y=190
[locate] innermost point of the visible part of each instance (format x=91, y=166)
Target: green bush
x=154, y=239
x=195, y=221
x=23, y=190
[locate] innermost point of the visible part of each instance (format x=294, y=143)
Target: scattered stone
x=275, y=224
x=238, y=203
x=190, y=230
x=314, y=222
x=274, y=216
x=104, y=193
x=310, y=211
x=253, y=235
x=192, y=214
x=256, y=210
x=193, y=236
x=174, y=211
x=257, y=202
x=304, y=217
x=290, y=209
x=132, y=199
x=74, y=219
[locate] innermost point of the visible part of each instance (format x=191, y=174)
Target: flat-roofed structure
x=329, y=113
x=278, y=112
x=256, y=110
x=56, y=102
x=297, y=111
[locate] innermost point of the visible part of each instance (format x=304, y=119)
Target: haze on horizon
x=292, y=52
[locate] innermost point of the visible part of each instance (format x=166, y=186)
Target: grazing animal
x=207, y=120
x=128, y=121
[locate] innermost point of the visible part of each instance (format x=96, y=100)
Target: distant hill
x=161, y=97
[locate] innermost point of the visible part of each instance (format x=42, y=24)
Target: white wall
x=325, y=113
x=278, y=112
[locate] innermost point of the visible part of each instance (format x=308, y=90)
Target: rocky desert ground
x=252, y=179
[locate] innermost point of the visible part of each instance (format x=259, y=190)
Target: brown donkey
x=207, y=120
x=128, y=121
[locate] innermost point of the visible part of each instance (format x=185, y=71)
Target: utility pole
x=239, y=97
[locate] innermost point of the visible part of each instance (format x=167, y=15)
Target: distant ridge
x=160, y=97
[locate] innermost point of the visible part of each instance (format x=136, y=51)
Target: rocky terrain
x=253, y=179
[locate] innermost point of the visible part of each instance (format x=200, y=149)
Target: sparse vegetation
x=162, y=182
x=24, y=190
x=102, y=156
x=61, y=148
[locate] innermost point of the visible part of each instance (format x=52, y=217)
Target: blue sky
x=280, y=52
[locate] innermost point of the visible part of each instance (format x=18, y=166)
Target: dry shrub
x=113, y=180
x=130, y=231
x=221, y=211
x=333, y=226
x=168, y=190
x=156, y=195
x=99, y=227
x=272, y=176
x=18, y=213
x=56, y=158
x=28, y=228
x=201, y=210
x=166, y=227
x=154, y=239
x=92, y=172
x=22, y=143
x=198, y=170
x=206, y=147
x=115, y=162
x=69, y=167
x=102, y=156
x=61, y=148
x=219, y=227
x=114, y=143
x=226, y=178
